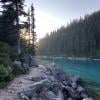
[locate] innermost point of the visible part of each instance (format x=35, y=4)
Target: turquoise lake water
x=87, y=69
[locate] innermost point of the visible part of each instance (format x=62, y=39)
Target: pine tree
x=19, y=11
x=32, y=29
x=29, y=46
x=81, y=38
x=7, y=23
x=15, y=9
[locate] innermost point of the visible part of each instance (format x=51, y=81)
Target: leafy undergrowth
x=5, y=78
x=8, y=71
x=18, y=71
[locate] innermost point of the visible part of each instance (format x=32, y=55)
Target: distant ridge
x=81, y=38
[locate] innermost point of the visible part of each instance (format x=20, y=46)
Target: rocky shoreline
x=53, y=84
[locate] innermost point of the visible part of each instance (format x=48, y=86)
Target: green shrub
x=21, y=57
x=4, y=59
x=5, y=48
x=18, y=71
x=3, y=72
x=9, y=77
x=7, y=53
x=7, y=56
x=3, y=84
x=13, y=55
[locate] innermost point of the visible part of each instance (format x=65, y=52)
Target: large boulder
x=54, y=84
x=73, y=93
x=80, y=89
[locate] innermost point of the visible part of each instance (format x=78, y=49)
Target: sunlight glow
x=25, y=36
x=45, y=23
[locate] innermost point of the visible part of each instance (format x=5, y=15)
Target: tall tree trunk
x=29, y=41
x=18, y=30
x=32, y=28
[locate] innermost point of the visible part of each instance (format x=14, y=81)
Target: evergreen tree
x=29, y=44
x=30, y=26
x=32, y=29
x=81, y=38
x=7, y=24
x=19, y=11
x=12, y=9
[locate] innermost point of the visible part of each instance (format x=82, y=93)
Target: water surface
x=87, y=69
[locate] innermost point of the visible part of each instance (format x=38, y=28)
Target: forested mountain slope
x=80, y=38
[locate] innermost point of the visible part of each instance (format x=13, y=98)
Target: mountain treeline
x=80, y=38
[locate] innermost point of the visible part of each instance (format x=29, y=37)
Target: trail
x=19, y=83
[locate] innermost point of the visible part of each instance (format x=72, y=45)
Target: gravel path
x=19, y=83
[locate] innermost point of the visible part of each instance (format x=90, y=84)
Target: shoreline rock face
x=53, y=84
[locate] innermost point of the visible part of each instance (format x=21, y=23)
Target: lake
x=88, y=70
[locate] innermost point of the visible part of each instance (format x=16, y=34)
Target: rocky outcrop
x=53, y=84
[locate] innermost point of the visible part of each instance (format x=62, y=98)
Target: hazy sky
x=51, y=14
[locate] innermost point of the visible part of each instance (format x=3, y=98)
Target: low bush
x=18, y=71
x=7, y=70
x=7, y=53
x=3, y=84
x=9, y=77
x=4, y=59
x=3, y=72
